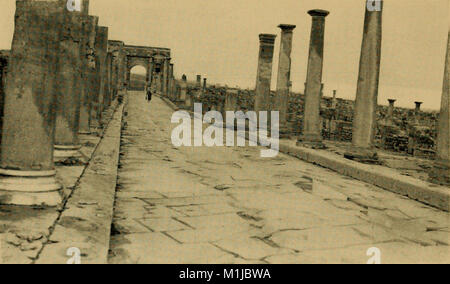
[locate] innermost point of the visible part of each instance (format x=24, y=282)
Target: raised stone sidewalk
x=27, y=232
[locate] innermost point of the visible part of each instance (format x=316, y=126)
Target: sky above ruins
x=219, y=40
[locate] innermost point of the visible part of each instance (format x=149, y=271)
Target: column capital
x=392, y=101
x=318, y=13
x=287, y=28
x=267, y=38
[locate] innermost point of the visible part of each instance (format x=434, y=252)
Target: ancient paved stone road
x=228, y=205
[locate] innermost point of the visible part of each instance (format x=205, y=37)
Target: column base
x=313, y=141
x=30, y=188
x=62, y=153
x=440, y=173
x=363, y=155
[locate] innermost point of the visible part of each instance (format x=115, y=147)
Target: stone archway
x=153, y=59
x=137, y=61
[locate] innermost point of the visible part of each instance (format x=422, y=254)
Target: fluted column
x=165, y=80
x=264, y=74
x=183, y=90
x=88, y=73
x=101, y=48
x=284, y=77
x=68, y=88
x=364, y=123
x=441, y=171
x=27, y=172
x=312, y=128
x=108, y=80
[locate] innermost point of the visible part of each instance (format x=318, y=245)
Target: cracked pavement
x=227, y=205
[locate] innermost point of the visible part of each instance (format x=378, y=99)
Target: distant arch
x=138, y=77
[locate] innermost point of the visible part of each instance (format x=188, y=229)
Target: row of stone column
x=57, y=85
x=364, y=123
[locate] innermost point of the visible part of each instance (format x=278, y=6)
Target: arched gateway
x=154, y=60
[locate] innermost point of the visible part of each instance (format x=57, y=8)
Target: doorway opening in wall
x=138, y=78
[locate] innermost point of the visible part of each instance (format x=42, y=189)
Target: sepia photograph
x=224, y=138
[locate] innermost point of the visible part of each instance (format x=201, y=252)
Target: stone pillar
x=118, y=70
x=205, y=81
x=68, y=88
x=151, y=68
x=364, y=123
x=312, y=127
x=230, y=105
x=108, y=80
x=171, y=82
x=334, y=100
x=231, y=100
x=417, y=112
x=264, y=74
x=441, y=172
x=27, y=172
x=165, y=80
x=390, y=114
x=418, y=107
x=88, y=73
x=84, y=7
x=199, y=81
x=4, y=58
x=183, y=90
x=101, y=47
x=284, y=77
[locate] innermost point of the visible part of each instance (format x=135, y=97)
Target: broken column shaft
x=264, y=74
x=284, y=77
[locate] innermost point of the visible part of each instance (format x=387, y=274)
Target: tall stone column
x=4, y=58
x=364, y=123
x=264, y=74
x=118, y=69
x=68, y=88
x=151, y=68
x=441, y=171
x=88, y=73
x=183, y=90
x=101, y=48
x=108, y=80
x=230, y=104
x=284, y=77
x=171, y=82
x=312, y=128
x=165, y=76
x=27, y=172
x=390, y=114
